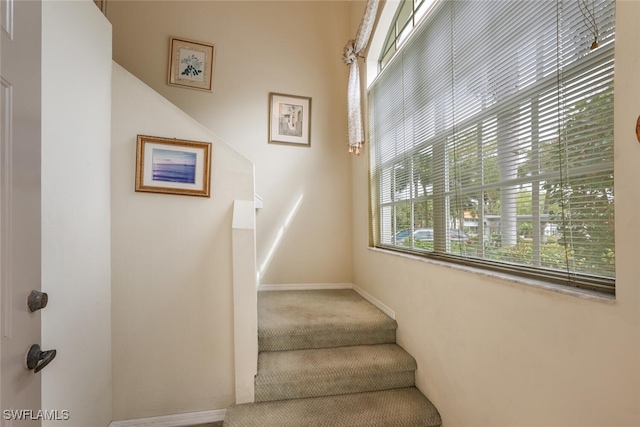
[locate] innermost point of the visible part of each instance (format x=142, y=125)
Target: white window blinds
x=491, y=133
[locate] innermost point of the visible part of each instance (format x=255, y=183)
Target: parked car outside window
x=456, y=235
x=419, y=235
x=426, y=235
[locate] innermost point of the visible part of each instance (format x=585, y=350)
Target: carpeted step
x=332, y=371
x=293, y=320
x=398, y=407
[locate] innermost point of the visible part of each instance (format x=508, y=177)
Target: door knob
x=37, y=300
x=38, y=359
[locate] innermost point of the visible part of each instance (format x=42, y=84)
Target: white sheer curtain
x=350, y=57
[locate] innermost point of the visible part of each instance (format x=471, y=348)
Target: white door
x=20, y=112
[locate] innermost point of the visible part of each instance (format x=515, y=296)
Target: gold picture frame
x=173, y=166
x=102, y=5
x=191, y=64
x=289, y=119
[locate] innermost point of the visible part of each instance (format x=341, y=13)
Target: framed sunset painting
x=173, y=166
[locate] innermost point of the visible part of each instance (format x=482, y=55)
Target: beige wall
x=76, y=270
x=172, y=316
x=495, y=353
x=490, y=352
x=291, y=47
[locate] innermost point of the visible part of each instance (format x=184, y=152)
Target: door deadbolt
x=38, y=359
x=37, y=300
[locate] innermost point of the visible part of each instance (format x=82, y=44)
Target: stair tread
x=306, y=373
x=309, y=364
x=398, y=407
x=312, y=311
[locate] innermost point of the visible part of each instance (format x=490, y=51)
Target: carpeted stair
x=329, y=358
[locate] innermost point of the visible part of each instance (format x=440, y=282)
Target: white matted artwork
x=173, y=166
x=289, y=119
x=191, y=64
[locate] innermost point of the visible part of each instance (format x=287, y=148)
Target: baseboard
x=373, y=300
x=315, y=286
x=305, y=286
x=174, y=420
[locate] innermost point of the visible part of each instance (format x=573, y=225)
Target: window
x=407, y=17
x=491, y=130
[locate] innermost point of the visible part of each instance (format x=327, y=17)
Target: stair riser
x=334, y=386
x=326, y=340
x=400, y=407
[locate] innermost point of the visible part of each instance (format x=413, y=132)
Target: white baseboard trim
x=305, y=286
x=174, y=420
x=373, y=300
x=315, y=286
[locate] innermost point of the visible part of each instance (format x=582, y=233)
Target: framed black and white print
x=289, y=119
x=191, y=64
x=173, y=166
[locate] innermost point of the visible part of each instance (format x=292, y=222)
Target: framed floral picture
x=191, y=64
x=289, y=119
x=173, y=166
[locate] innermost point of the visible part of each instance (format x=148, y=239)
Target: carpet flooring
x=328, y=358
x=216, y=424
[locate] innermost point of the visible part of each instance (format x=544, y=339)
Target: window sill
x=509, y=278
